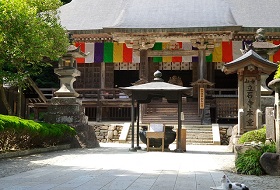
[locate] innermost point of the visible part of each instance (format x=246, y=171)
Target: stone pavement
x=112, y=166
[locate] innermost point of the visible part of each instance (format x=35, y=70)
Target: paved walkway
x=112, y=166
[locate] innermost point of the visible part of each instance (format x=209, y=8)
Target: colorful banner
x=178, y=58
x=165, y=46
x=227, y=51
x=276, y=56
x=236, y=46
x=157, y=46
x=98, y=52
x=128, y=55
x=112, y=52
x=108, y=52
x=218, y=53
x=89, y=48
x=82, y=48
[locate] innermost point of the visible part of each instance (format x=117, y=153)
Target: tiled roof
x=169, y=15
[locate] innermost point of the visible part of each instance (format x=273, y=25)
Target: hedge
x=17, y=133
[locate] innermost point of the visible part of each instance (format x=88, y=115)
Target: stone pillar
x=249, y=113
x=275, y=84
x=269, y=122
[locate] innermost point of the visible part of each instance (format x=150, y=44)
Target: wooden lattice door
x=90, y=76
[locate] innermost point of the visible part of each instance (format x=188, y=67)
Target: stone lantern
x=65, y=107
x=67, y=71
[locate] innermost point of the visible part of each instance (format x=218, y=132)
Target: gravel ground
x=11, y=166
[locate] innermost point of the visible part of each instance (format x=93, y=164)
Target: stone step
x=196, y=134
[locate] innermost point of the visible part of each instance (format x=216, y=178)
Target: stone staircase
x=167, y=113
x=196, y=135
x=199, y=134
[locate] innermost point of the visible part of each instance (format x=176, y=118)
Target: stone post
x=275, y=84
x=269, y=122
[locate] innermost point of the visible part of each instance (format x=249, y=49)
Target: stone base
x=68, y=110
x=85, y=138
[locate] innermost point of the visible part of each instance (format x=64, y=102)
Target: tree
x=30, y=37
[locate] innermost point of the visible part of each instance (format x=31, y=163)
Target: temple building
x=187, y=41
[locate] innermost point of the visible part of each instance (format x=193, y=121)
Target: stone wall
x=107, y=132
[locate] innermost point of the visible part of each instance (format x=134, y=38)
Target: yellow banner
x=165, y=45
x=218, y=54
x=118, y=52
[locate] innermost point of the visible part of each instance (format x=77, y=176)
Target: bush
x=249, y=162
x=17, y=133
x=258, y=135
x=277, y=74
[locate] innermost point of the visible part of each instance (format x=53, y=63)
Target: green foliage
x=47, y=79
x=17, y=133
x=30, y=36
x=248, y=162
x=277, y=74
x=258, y=135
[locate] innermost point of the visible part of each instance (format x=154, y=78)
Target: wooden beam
x=35, y=87
x=164, y=53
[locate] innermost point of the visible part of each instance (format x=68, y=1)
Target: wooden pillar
x=202, y=67
x=102, y=85
x=102, y=75
x=132, y=124
x=179, y=147
x=143, y=75
x=144, y=65
x=137, y=132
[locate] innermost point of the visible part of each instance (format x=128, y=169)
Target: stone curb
x=34, y=151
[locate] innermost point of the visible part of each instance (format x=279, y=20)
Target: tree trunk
x=5, y=101
x=19, y=104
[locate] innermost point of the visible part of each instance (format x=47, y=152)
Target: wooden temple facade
x=188, y=41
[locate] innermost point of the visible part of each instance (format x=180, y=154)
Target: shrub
x=17, y=133
x=258, y=135
x=248, y=162
x=277, y=74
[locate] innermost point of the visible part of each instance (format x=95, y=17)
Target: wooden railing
x=222, y=92
x=90, y=93
x=111, y=101
x=226, y=104
x=115, y=93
